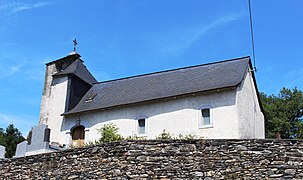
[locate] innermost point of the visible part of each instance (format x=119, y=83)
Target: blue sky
x=120, y=38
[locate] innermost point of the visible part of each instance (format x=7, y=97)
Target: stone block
x=21, y=149
x=40, y=138
x=2, y=151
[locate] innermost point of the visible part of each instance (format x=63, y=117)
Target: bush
x=188, y=137
x=135, y=137
x=109, y=133
x=164, y=136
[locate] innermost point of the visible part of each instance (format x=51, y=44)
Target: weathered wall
x=251, y=118
x=50, y=70
x=54, y=94
x=53, y=101
x=176, y=116
x=228, y=159
x=56, y=107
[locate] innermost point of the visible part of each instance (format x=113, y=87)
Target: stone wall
x=210, y=159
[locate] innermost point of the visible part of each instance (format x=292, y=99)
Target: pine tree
x=10, y=138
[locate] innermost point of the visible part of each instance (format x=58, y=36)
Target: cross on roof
x=75, y=44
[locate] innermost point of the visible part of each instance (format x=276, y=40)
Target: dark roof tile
x=164, y=84
x=78, y=69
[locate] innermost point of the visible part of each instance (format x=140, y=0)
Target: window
x=141, y=126
x=91, y=98
x=205, y=117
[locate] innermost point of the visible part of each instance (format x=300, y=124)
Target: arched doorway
x=78, y=136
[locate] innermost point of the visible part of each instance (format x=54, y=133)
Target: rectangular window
x=141, y=125
x=205, y=117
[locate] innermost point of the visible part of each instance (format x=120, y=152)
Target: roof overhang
x=154, y=100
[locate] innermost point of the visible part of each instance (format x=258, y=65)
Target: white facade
x=176, y=116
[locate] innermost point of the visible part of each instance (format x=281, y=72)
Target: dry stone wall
x=153, y=159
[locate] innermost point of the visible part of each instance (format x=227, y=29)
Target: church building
x=215, y=101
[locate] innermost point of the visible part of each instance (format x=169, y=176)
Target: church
x=218, y=100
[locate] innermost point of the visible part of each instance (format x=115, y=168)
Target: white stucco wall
x=177, y=116
x=56, y=106
x=251, y=119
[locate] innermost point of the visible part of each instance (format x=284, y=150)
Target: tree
x=1, y=132
x=10, y=138
x=283, y=114
x=1, y=135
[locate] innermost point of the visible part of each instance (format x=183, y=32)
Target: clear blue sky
x=119, y=38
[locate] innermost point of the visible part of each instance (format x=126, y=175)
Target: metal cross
x=75, y=44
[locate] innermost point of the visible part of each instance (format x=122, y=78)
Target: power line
x=252, y=37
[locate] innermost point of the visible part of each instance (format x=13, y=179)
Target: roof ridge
x=176, y=69
x=70, y=56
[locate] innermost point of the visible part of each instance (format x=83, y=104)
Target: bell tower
x=51, y=84
x=66, y=82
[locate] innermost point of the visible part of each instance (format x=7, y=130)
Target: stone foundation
x=153, y=159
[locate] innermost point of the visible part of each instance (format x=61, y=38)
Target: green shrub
x=109, y=133
x=135, y=137
x=92, y=143
x=164, y=136
x=188, y=137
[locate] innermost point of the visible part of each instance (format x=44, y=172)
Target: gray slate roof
x=78, y=69
x=164, y=84
x=71, y=57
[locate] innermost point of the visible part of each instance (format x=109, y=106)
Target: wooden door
x=78, y=136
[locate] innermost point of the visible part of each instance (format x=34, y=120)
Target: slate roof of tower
x=159, y=85
x=78, y=69
x=70, y=57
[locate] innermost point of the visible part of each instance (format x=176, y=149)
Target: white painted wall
x=177, y=116
x=251, y=119
x=56, y=107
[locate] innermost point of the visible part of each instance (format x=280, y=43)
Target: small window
x=205, y=116
x=141, y=125
x=91, y=97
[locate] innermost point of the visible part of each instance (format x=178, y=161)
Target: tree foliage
x=109, y=133
x=10, y=138
x=284, y=114
x=1, y=132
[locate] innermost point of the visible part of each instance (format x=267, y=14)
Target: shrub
x=188, y=137
x=164, y=136
x=91, y=143
x=109, y=133
x=135, y=137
